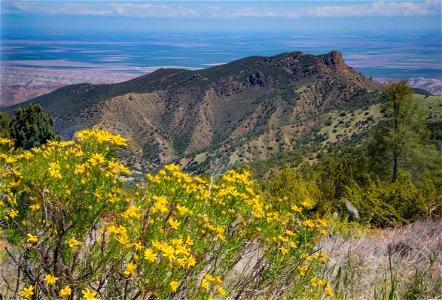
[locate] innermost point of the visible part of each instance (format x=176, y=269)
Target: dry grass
x=397, y=263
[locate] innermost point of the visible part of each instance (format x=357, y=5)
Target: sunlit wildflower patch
x=171, y=235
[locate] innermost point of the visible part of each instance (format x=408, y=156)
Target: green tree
x=332, y=181
x=401, y=138
x=4, y=125
x=31, y=127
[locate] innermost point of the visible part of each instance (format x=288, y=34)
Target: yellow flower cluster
x=6, y=142
x=209, y=282
x=101, y=136
x=321, y=283
x=157, y=235
x=54, y=170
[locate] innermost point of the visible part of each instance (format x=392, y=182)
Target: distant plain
x=34, y=64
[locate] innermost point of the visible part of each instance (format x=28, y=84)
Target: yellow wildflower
x=73, y=242
x=189, y=241
x=221, y=237
x=209, y=277
x=182, y=210
x=50, y=279
x=118, y=140
x=329, y=291
x=96, y=159
x=138, y=246
x=54, y=170
x=313, y=281
x=323, y=257
x=27, y=292
x=221, y=291
x=322, y=282
x=160, y=204
x=130, y=268
x=12, y=213
x=32, y=238
x=309, y=223
x=181, y=262
x=123, y=169
x=283, y=250
x=11, y=160
x=168, y=252
x=79, y=169
x=78, y=153
x=289, y=232
x=174, y=285
x=65, y=292
x=321, y=222
x=132, y=212
x=284, y=239
x=174, y=224
x=295, y=208
x=191, y=261
x=205, y=284
x=88, y=294
x=149, y=255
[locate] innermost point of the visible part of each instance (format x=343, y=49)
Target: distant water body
x=384, y=56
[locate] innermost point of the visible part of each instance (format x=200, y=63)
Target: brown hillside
x=237, y=112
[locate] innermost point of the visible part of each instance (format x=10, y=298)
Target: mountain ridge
x=235, y=112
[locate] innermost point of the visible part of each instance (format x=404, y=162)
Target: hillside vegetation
x=235, y=113
x=75, y=230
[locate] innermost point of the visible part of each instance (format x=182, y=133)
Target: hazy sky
x=216, y=16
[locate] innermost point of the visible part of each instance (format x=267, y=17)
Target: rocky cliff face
x=237, y=112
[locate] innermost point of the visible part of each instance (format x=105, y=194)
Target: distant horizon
x=377, y=55
x=104, y=41
x=352, y=27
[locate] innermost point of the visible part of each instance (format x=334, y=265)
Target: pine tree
x=4, y=125
x=31, y=127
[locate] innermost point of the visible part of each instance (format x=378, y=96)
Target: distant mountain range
x=243, y=111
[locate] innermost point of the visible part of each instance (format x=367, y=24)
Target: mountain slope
x=245, y=110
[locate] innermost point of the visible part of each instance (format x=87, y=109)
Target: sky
x=215, y=16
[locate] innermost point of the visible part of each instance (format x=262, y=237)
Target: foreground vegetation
x=76, y=232
x=78, y=225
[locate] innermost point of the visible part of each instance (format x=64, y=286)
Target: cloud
x=379, y=8
x=226, y=10
x=133, y=9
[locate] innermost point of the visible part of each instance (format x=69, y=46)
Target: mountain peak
x=335, y=57
x=335, y=60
